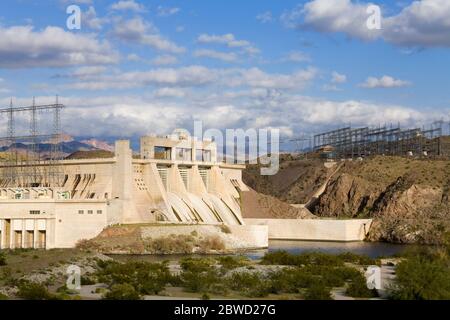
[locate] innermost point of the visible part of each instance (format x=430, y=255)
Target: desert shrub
x=174, y=244
x=144, y=277
x=250, y=284
x=88, y=280
x=212, y=243
x=357, y=259
x=123, y=291
x=290, y=280
x=199, y=275
x=358, y=288
x=200, y=281
x=317, y=291
x=196, y=264
x=231, y=262
x=34, y=291
x=308, y=258
x=279, y=258
x=2, y=259
x=206, y=296
x=422, y=277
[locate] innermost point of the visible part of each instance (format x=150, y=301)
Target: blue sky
x=137, y=67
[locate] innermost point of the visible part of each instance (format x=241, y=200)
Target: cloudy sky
x=138, y=67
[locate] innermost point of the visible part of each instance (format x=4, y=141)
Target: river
x=371, y=249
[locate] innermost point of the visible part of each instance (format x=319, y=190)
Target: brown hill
x=257, y=205
x=295, y=182
x=408, y=198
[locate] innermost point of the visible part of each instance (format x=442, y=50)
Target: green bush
x=358, y=259
x=3, y=297
x=230, y=262
x=144, y=277
x=34, y=291
x=122, y=291
x=358, y=288
x=203, y=281
x=290, y=280
x=318, y=291
x=197, y=265
x=422, y=277
x=2, y=259
x=308, y=258
x=250, y=284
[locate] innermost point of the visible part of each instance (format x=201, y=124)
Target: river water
x=371, y=249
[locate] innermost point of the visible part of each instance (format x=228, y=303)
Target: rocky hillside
x=295, y=182
x=261, y=206
x=408, y=199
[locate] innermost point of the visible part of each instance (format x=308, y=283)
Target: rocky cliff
x=408, y=198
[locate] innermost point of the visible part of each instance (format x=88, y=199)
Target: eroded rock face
x=417, y=214
x=403, y=212
x=346, y=196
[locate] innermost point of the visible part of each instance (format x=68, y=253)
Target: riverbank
x=284, y=271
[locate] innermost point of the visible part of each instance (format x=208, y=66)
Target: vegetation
x=316, y=258
x=2, y=259
x=34, y=291
x=423, y=275
x=144, y=277
x=122, y=291
x=358, y=288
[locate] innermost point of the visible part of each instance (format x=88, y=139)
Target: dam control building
x=176, y=179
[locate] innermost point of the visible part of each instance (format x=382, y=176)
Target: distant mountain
x=98, y=144
x=68, y=146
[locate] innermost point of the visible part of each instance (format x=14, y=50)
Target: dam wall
x=315, y=229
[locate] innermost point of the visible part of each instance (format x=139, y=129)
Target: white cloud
x=198, y=76
x=265, y=17
x=134, y=57
x=224, y=56
x=338, y=78
x=255, y=77
x=185, y=76
x=85, y=72
x=130, y=5
x=180, y=29
x=126, y=116
x=23, y=47
x=384, y=82
x=166, y=11
x=169, y=93
x=91, y=20
x=422, y=23
x=229, y=40
x=165, y=60
x=296, y=56
x=136, y=30
x=330, y=87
